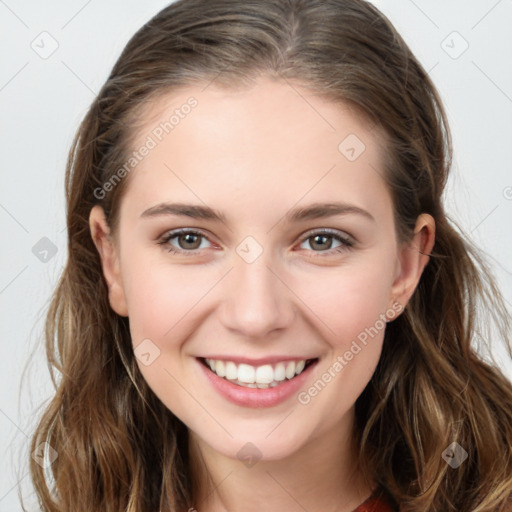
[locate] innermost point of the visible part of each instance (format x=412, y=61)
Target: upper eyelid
x=180, y=231
x=328, y=231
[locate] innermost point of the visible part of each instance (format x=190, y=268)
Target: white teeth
x=299, y=367
x=279, y=372
x=231, y=370
x=262, y=377
x=246, y=373
x=290, y=370
x=220, y=369
x=264, y=374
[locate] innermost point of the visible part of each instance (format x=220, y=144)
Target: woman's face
x=291, y=256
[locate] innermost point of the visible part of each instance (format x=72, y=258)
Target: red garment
x=377, y=502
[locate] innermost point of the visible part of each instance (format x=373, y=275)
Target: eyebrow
x=320, y=210
x=185, y=210
x=313, y=211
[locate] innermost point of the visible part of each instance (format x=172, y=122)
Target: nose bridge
x=256, y=302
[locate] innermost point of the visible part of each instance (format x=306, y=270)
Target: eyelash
x=346, y=243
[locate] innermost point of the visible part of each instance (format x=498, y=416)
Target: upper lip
x=259, y=361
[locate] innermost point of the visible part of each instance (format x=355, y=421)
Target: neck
x=322, y=474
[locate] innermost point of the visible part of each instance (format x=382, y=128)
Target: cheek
x=350, y=299
x=350, y=305
x=162, y=298
x=160, y=295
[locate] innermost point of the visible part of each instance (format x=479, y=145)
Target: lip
x=256, y=397
x=259, y=361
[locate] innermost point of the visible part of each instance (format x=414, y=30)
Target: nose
x=256, y=301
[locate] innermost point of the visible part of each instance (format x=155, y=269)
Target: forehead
x=274, y=141
x=269, y=98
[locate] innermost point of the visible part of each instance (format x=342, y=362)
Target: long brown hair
x=119, y=448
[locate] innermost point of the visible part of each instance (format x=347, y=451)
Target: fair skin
x=255, y=154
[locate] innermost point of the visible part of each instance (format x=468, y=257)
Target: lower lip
x=256, y=397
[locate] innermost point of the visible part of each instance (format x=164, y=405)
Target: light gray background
x=42, y=101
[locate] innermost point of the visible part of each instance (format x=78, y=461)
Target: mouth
x=260, y=377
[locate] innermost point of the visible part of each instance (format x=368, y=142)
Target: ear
x=109, y=256
x=412, y=259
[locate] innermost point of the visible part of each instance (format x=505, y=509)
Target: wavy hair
x=119, y=448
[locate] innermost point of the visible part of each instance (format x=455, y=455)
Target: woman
x=264, y=303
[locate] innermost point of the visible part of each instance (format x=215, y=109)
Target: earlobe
x=413, y=258
x=100, y=233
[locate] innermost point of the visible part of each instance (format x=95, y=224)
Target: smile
x=262, y=377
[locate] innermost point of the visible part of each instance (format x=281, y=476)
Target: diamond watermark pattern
x=249, y=249
x=146, y=352
x=454, y=45
x=351, y=147
x=249, y=454
x=44, y=250
x=44, y=455
x=45, y=45
x=454, y=455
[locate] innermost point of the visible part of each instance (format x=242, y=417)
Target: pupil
x=318, y=240
x=190, y=238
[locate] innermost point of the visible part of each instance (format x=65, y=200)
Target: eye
x=184, y=241
x=327, y=241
